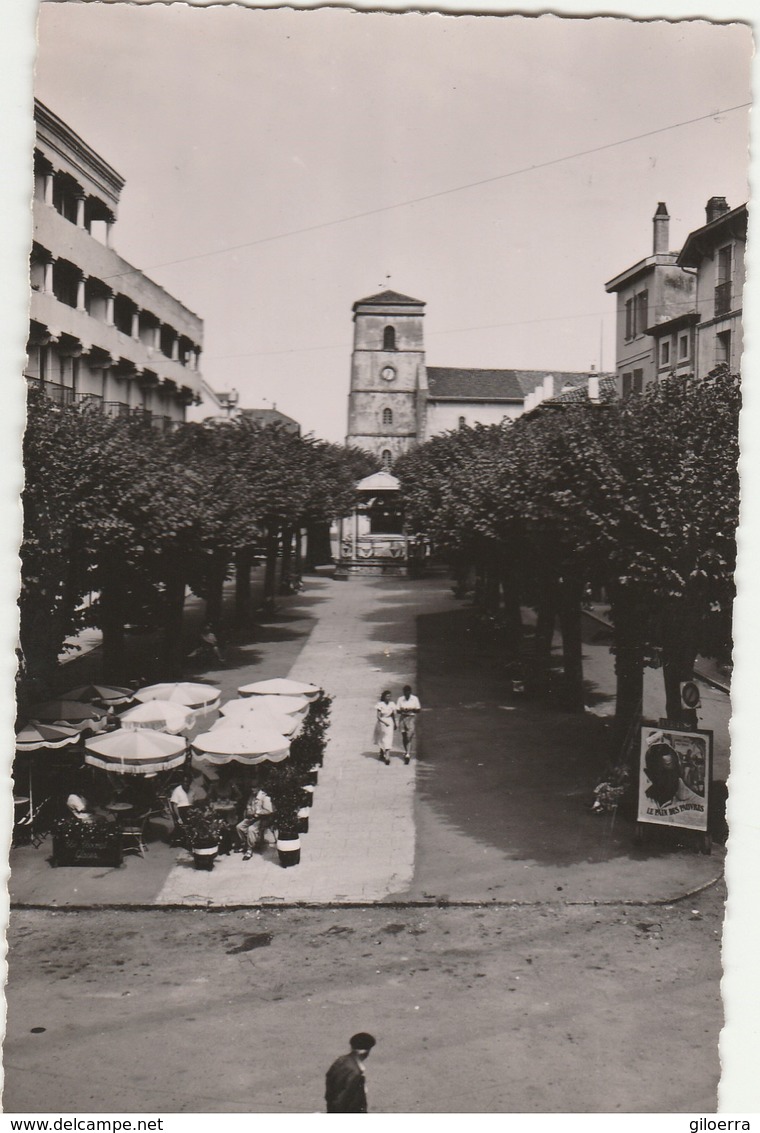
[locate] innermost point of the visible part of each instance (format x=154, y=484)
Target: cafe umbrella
x=250, y=744
x=280, y=686
x=264, y=718
x=181, y=692
x=69, y=713
x=34, y=736
x=290, y=706
x=31, y=739
x=161, y=715
x=101, y=694
x=139, y=752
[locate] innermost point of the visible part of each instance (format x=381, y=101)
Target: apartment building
x=656, y=292
x=102, y=332
x=716, y=253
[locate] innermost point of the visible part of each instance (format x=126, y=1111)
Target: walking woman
x=385, y=711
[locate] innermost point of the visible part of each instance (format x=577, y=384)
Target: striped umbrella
x=249, y=745
x=103, y=694
x=69, y=713
x=34, y=736
x=280, y=686
x=139, y=752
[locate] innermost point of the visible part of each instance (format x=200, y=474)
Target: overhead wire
x=715, y=114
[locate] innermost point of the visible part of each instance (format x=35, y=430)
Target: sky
x=281, y=164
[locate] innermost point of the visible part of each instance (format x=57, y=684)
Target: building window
x=627, y=384
x=664, y=353
x=723, y=348
x=642, y=312
x=462, y=422
x=386, y=459
x=636, y=314
x=389, y=338
x=387, y=417
x=683, y=347
x=723, y=286
x=638, y=381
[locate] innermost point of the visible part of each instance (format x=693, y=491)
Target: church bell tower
x=386, y=405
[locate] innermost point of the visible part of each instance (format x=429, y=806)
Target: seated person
x=258, y=816
x=79, y=808
x=197, y=790
x=180, y=798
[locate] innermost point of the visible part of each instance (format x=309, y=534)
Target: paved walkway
x=360, y=845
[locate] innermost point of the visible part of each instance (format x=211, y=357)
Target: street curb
x=338, y=906
x=701, y=676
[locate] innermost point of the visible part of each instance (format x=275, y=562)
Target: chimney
x=593, y=387
x=548, y=391
x=661, y=227
x=716, y=206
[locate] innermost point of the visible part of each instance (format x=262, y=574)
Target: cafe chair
x=133, y=835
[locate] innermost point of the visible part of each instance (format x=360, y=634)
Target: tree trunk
x=217, y=573
x=570, y=615
x=172, y=645
x=286, y=572
x=298, y=555
x=492, y=580
x=243, y=563
x=679, y=652
x=270, y=569
x=629, y=671
x=510, y=589
x=112, y=599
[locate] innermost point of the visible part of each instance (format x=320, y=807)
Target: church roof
x=379, y=482
x=384, y=298
x=451, y=383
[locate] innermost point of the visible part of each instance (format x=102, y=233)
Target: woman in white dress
x=385, y=712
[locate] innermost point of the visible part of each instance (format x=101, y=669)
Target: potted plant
x=202, y=838
x=286, y=794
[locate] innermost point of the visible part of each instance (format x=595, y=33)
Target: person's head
x=662, y=768
x=362, y=1044
x=407, y=690
x=385, y=695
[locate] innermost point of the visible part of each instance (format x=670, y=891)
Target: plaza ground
x=512, y=951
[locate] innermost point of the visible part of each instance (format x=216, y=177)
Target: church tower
x=386, y=405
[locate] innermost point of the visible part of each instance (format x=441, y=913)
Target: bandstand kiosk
x=371, y=540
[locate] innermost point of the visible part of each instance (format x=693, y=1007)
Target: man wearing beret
x=344, y=1085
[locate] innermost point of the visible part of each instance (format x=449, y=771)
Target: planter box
x=204, y=856
x=92, y=849
x=289, y=850
x=303, y=820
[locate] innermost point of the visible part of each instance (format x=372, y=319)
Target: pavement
x=494, y=810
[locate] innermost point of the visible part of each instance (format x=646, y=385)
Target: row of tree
x=639, y=497
x=134, y=517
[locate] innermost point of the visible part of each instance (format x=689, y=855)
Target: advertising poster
x=674, y=773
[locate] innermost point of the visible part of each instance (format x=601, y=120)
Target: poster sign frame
x=687, y=808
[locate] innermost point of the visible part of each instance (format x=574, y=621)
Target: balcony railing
x=116, y=409
x=722, y=298
x=89, y=400
x=53, y=391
